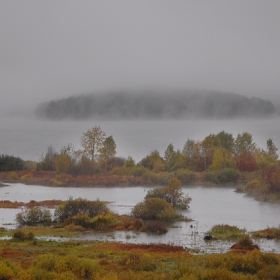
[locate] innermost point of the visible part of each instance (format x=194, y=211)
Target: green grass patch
x=226, y=232
x=268, y=233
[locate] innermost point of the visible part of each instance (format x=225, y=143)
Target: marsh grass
x=268, y=233
x=110, y=260
x=226, y=232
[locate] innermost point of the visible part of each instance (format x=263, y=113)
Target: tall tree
x=108, y=151
x=47, y=162
x=190, y=153
x=92, y=142
x=244, y=144
x=222, y=159
x=271, y=149
x=65, y=161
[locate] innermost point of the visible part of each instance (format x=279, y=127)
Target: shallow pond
x=210, y=206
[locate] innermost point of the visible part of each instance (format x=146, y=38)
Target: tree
x=189, y=152
x=92, y=142
x=47, y=162
x=271, y=149
x=75, y=206
x=129, y=162
x=154, y=209
x=33, y=215
x=222, y=139
x=173, y=160
x=10, y=163
x=222, y=159
x=172, y=193
x=246, y=162
x=169, y=153
x=108, y=151
x=64, y=162
x=244, y=143
x=153, y=161
x=245, y=150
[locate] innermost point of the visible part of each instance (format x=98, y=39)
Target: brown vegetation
x=32, y=203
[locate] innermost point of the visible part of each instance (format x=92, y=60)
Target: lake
x=210, y=206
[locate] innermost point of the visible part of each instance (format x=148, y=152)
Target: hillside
x=152, y=105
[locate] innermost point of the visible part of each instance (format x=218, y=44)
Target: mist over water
x=29, y=138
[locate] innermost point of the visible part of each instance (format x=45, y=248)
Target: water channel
x=211, y=205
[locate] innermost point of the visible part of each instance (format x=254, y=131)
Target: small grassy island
x=217, y=159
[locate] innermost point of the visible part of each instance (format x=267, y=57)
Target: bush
x=154, y=209
x=13, y=176
x=137, y=170
x=20, y=235
x=33, y=215
x=226, y=175
x=185, y=176
x=156, y=227
x=80, y=206
x=173, y=194
x=6, y=273
x=245, y=243
x=256, y=187
x=225, y=231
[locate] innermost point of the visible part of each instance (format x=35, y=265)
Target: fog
x=56, y=49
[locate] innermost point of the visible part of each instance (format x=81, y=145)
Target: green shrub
x=13, y=176
x=20, y=235
x=161, y=178
x=271, y=272
x=154, y=209
x=225, y=231
x=102, y=221
x=256, y=187
x=185, y=176
x=6, y=273
x=226, y=175
x=137, y=170
x=80, y=206
x=211, y=177
x=33, y=215
x=172, y=193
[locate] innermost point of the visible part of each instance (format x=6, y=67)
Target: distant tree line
x=218, y=158
x=150, y=105
x=9, y=163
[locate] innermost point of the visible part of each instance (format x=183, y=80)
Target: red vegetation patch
x=146, y=247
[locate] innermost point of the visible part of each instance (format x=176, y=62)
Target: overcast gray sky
x=56, y=48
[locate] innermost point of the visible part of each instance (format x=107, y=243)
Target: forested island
x=156, y=105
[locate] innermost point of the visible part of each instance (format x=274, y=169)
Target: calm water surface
x=210, y=206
